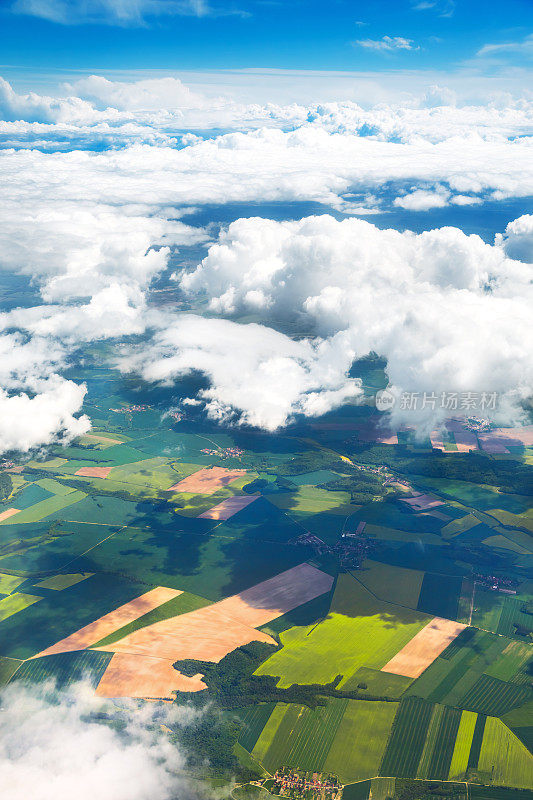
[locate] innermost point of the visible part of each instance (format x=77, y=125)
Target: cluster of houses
x=130, y=409
x=291, y=783
x=351, y=549
x=497, y=583
x=224, y=452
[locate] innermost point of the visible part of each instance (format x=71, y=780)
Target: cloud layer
x=93, y=226
x=64, y=745
x=449, y=312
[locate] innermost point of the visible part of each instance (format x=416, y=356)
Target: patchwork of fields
x=143, y=545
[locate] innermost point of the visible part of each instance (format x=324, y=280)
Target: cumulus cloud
x=92, y=263
x=37, y=405
x=75, y=249
x=93, y=229
x=387, y=44
x=257, y=376
x=517, y=241
x=168, y=93
x=422, y=200
x=447, y=311
x=40, y=108
x=64, y=745
x=28, y=421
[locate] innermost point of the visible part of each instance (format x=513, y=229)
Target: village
x=295, y=783
x=224, y=452
x=351, y=549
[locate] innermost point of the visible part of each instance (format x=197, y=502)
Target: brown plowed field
x=424, y=648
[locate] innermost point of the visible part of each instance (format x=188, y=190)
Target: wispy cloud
x=444, y=8
x=387, y=44
x=522, y=47
x=116, y=12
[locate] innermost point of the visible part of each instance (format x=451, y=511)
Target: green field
x=407, y=739
x=59, y=582
x=301, y=737
x=8, y=583
x=463, y=743
x=45, y=508
x=346, y=737
x=15, y=603
x=181, y=604
x=504, y=757
x=393, y=584
x=494, y=697
x=360, y=741
x=8, y=666
x=382, y=684
x=360, y=631
x=65, y=668
x=430, y=744
x=254, y=719
x=439, y=595
x=497, y=612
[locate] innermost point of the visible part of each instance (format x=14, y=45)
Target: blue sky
x=294, y=34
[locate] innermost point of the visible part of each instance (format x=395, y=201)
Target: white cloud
x=76, y=246
x=387, y=44
x=58, y=744
x=157, y=93
x=449, y=312
x=28, y=421
x=422, y=200
x=517, y=241
x=93, y=229
x=37, y=405
x=257, y=375
x=319, y=161
x=521, y=47
x=38, y=108
x=110, y=12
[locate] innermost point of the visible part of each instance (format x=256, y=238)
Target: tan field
x=207, y=481
x=424, y=648
x=227, y=508
x=144, y=676
x=272, y=598
x=206, y=634
x=422, y=501
x=94, y=472
x=210, y=633
x=105, y=625
x=9, y=512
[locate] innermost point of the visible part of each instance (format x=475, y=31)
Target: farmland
x=346, y=737
x=504, y=757
x=360, y=631
x=434, y=682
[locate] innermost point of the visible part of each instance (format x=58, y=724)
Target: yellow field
x=360, y=740
x=360, y=631
x=506, y=544
x=63, y=581
x=504, y=752
x=15, y=603
x=458, y=526
x=463, y=743
x=8, y=583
